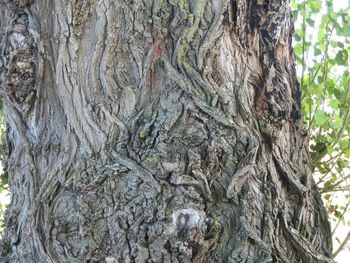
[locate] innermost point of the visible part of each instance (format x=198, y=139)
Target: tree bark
x=156, y=131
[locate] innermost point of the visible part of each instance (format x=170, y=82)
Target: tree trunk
x=156, y=131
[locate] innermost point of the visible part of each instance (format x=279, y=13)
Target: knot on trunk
x=18, y=65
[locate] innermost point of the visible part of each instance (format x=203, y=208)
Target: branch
x=342, y=245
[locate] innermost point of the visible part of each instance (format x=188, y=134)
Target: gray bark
x=156, y=131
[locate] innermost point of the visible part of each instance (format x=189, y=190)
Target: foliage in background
x=322, y=48
x=3, y=176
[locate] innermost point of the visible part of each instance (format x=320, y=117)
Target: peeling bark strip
x=156, y=131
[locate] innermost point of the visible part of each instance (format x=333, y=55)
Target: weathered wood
x=156, y=131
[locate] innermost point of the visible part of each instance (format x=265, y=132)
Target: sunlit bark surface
x=155, y=131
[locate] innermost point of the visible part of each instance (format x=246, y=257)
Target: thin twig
x=342, y=245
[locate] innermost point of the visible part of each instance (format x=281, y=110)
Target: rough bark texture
x=156, y=131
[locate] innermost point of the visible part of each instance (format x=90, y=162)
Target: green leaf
x=295, y=14
x=327, y=196
x=310, y=22
x=342, y=57
x=344, y=144
x=345, y=32
x=317, y=52
x=297, y=37
x=298, y=49
x=320, y=117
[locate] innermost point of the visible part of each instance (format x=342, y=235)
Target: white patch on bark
x=110, y=259
x=185, y=219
